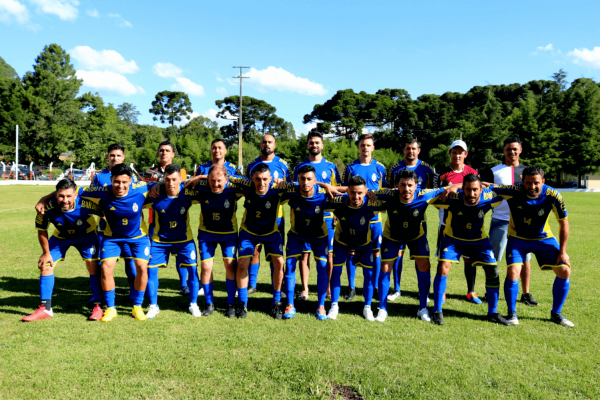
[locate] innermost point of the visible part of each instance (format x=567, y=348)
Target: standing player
x=326, y=172
x=75, y=226
x=531, y=203
x=218, y=150
x=373, y=172
x=508, y=173
x=279, y=170
x=424, y=180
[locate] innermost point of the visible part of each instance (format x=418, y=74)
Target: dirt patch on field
x=344, y=393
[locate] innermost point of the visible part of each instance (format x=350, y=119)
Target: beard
x=314, y=152
x=266, y=152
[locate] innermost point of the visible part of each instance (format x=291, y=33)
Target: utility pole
x=240, y=126
x=17, y=170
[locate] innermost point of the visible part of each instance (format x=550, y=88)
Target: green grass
x=178, y=356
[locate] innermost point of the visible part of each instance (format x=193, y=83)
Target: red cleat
x=40, y=313
x=97, y=313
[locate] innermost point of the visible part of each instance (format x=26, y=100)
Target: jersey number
x=352, y=231
x=71, y=231
x=528, y=221
x=258, y=214
x=469, y=226
x=172, y=224
x=125, y=221
x=405, y=224
x=307, y=222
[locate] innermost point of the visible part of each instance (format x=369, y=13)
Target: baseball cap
x=459, y=143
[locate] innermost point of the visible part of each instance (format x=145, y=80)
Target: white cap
x=459, y=143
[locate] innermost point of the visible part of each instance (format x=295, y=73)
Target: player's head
x=115, y=155
x=267, y=145
x=366, y=144
x=411, y=149
x=458, y=152
x=172, y=179
x=306, y=179
x=66, y=193
x=512, y=149
x=218, y=149
x=533, y=180
x=121, y=179
x=314, y=143
x=217, y=178
x=406, y=182
x=261, y=176
x=472, y=189
x=165, y=153
x=357, y=190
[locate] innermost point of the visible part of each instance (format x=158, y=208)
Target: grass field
x=178, y=356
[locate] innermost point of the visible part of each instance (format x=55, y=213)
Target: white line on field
x=13, y=209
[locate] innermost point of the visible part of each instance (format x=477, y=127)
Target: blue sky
x=302, y=52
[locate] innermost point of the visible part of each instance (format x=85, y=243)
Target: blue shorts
x=363, y=256
x=546, y=252
x=419, y=248
x=376, y=235
x=125, y=253
x=185, y=252
x=113, y=248
x=499, y=238
x=296, y=244
x=330, y=236
x=208, y=242
x=86, y=245
x=479, y=251
x=247, y=242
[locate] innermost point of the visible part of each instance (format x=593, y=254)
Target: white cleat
x=153, y=311
x=513, y=319
x=201, y=292
x=194, y=310
x=333, y=311
x=381, y=315
x=393, y=296
x=368, y=313
x=424, y=315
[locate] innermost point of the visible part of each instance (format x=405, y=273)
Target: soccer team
x=338, y=220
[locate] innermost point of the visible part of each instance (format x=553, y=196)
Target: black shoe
x=276, y=311
x=350, y=295
x=230, y=311
x=438, y=318
x=240, y=310
x=559, y=319
x=251, y=290
x=499, y=319
x=184, y=291
x=528, y=299
x=210, y=307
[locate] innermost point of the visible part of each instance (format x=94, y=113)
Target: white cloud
x=167, y=70
x=187, y=86
x=93, y=13
x=221, y=91
x=547, y=47
x=108, y=83
x=585, y=57
x=63, y=9
x=13, y=10
x=307, y=127
x=282, y=81
x=121, y=21
x=107, y=60
x=210, y=114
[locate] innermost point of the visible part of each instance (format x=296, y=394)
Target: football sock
x=336, y=275
x=376, y=271
x=511, y=290
x=368, y=275
x=290, y=279
x=109, y=298
x=384, y=288
x=397, y=270
x=470, y=275
x=193, y=283
x=183, y=275
x=351, y=270
x=131, y=273
x=96, y=289
x=424, y=282
x=276, y=296
x=208, y=292
x=322, y=281
x=560, y=289
x=230, y=284
x=492, y=295
x=439, y=288
x=46, y=288
x=492, y=287
x=243, y=295
x=152, y=286
x=138, y=297
x=253, y=274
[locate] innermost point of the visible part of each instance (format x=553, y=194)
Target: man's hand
x=280, y=183
x=40, y=207
x=155, y=191
x=194, y=181
x=372, y=196
x=332, y=191
x=486, y=184
x=45, y=259
x=563, y=258
x=450, y=190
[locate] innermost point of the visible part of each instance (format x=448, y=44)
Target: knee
x=563, y=272
x=512, y=273
x=46, y=270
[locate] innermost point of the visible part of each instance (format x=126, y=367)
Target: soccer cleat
x=350, y=295
x=424, y=315
x=512, y=318
x=499, y=319
x=290, y=311
x=109, y=314
x=321, y=314
x=381, y=315
x=240, y=310
x=96, y=313
x=210, y=307
x=230, y=311
x=438, y=318
x=393, y=296
x=195, y=310
x=40, y=313
x=138, y=313
x=153, y=311
x=276, y=310
x=251, y=290
x=472, y=297
x=333, y=311
x=368, y=313
x=184, y=291
x=559, y=319
x=201, y=292
x=528, y=299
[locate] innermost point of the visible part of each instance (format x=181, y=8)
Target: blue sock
x=384, y=288
x=193, y=283
x=253, y=274
x=183, y=275
x=351, y=270
x=290, y=279
x=138, y=297
x=152, y=286
x=424, y=282
x=46, y=288
x=439, y=288
x=230, y=284
x=96, y=289
x=208, y=292
x=397, y=270
x=322, y=281
x=511, y=290
x=560, y=290
x=276, y=296
x=368, y=275
x=243, y=295
x=376, y=272
x=336, y=278
x=131, y=273
x=492, y=295
x=109, y=298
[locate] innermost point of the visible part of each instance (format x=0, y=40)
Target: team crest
x=79, y=222
x=362, y=220
x=147, y=250
x=324, y=175
x=541, y=213
x=275, y=174
x=416, y=213
x=135, y=207
x=371, y=258
x=182, y=211
x=374, y=177
x=492, y=254
x=317, y=210
x=481, y=214
x=268, y=205
x=193, y=255
x=280, y=248
x=226, y=204
x=420, y=181
x=93, y=250
x=380, y=239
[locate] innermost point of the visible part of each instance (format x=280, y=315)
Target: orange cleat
x=97, y=313
x=40, y=313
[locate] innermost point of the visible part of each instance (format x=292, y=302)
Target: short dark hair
x=116, y=146
x=471, y=178
x=66, y=184
x=533, y=170
x=411, y=141
x=512, y=139
x=260, y=168
x=172, y=168
x=406, y=174
x=357, y=180
x=121, y=169
x=306, y=168
x=217, y=141
x=166, y=143
x=313, y=134
x=365, y=136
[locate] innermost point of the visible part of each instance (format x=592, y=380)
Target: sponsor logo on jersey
x=268, y=205
x=541, y=213
x=416, y=213
x=182, y=211
x=481, y=214
x=226, y=204
x=135, y=207
x=324, y=175
x=362, y=220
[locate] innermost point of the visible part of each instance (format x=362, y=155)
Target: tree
x=170, y=106
x=6, y=71
x=128, y=113
x=560, y=77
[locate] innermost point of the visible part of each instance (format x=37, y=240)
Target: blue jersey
x=463, y=221
x=425, y=174
x=405, y=220
x=171, y=219
x=102, y=179
x=278, y=167
x=205, y=167
x=307, y=212
x=123, y=214
x=72, y=224
x=353, y=229
x=218, y=210
x=373, y=173
x=529, y=217
x=325, y=172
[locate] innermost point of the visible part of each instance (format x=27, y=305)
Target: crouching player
x=463, y=234
x=75, y=226
x=530, y=204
